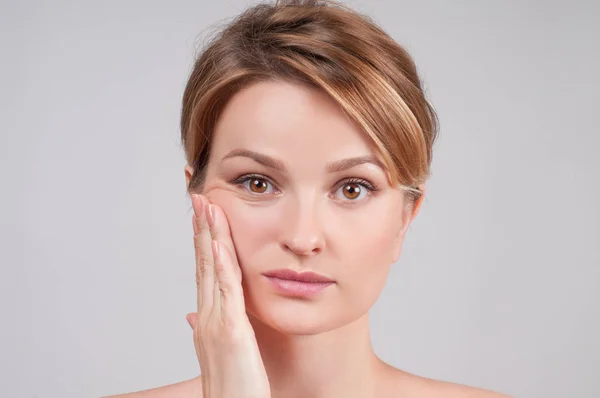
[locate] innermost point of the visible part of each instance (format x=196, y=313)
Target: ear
x=409, y=212
x=417, y=205
x=189, y=172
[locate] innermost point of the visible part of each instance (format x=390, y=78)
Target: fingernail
x=216, y=249
x=197, y=204
x=210, y=215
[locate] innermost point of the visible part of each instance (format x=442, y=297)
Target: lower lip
x=296, y=288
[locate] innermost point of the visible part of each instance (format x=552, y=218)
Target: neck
x=336, y=363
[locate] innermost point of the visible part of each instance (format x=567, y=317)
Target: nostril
x=303, y=250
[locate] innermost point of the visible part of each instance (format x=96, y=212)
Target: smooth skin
x=308, y=208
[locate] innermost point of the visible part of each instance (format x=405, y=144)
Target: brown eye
x=255, y=184
x=354, y=190
x=258, y=185
x=351, y=191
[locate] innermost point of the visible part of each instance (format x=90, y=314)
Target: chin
x=292, y=316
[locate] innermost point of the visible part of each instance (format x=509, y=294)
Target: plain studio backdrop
x=499, y=282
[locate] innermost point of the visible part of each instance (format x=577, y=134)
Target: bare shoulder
x=417, y=386
x=191, y=388
x=443, y=389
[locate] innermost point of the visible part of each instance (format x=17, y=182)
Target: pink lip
x=298, y=284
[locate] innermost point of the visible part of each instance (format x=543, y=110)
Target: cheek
x=251, y=227
x=366, y=242
x=366, y=235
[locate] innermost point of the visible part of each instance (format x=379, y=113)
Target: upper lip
x=289, y=274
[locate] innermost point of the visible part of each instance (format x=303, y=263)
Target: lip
x=292, y=283
x=291, y=275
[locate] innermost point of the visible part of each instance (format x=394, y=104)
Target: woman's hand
x=226, y=347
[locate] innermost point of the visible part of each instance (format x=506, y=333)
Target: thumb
x=191, y=319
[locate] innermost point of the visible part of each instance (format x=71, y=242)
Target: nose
x=302, y=232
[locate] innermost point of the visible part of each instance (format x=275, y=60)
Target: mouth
x=292, y=283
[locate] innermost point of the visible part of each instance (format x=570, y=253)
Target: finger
x=219, y=229
x=219, y=225
x=194, y=224
x=191, y=319
x=217, y=297
x=229, y=289
x=205, y=279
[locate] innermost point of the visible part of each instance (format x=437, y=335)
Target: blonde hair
x=326, y=45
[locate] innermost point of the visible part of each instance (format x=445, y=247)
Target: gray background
x=499, y=282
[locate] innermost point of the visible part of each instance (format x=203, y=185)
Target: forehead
x=288, y=120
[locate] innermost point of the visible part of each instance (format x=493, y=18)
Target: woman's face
x=282, y=169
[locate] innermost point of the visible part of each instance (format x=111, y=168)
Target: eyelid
x=359, y=181
x=247, y=176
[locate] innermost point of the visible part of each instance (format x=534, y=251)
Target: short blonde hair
x=326, y=45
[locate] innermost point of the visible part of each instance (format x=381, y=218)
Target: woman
x=308, y=141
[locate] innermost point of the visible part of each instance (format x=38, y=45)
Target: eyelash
x=370, y=187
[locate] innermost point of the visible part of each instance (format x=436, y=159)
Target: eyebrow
x=333, y=167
